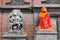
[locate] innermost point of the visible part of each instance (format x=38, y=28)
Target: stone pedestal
x=14, y=36
x=46, y=35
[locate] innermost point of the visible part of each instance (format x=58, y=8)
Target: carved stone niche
x=47, y=34
x=17, y=2
x=16, y=26
x=51, y=2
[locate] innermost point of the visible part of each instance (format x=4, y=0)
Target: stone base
x=46, y=37
x=14, y=36
x=46, y=32
x=14, y=39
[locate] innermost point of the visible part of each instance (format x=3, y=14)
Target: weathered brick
x=5, y=22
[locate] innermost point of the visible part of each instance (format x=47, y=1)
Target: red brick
x=5, y=22
x=28, y=23
x=37, y=2
x=0, y=3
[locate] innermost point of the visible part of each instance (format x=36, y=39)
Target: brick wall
x=37, y=2
x=5, y=23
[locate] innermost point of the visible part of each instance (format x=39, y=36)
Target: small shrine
x=45, y=25
x=16, y=26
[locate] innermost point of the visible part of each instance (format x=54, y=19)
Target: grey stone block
x=46, y=37
x=14, y=37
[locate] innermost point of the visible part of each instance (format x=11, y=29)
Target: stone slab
x=46, y=37
x=14, y=39
x=14, y=36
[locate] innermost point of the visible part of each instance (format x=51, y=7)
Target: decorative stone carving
x=16, y=2
x=51, y=2
x=16, y=21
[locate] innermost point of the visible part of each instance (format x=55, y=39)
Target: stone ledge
x=14, y=36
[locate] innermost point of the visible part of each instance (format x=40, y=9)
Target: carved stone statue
x=16, y=21
x=44, y=20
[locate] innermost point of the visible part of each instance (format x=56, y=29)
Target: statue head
x=43, y=9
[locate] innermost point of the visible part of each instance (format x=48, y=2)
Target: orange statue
x=44, y=20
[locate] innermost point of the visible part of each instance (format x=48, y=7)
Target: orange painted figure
x=44, y=20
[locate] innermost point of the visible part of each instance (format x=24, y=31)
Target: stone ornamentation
x=15, y=21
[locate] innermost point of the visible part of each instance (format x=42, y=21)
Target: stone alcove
x=28, y=24
x=16, y=26
x=54, y=14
